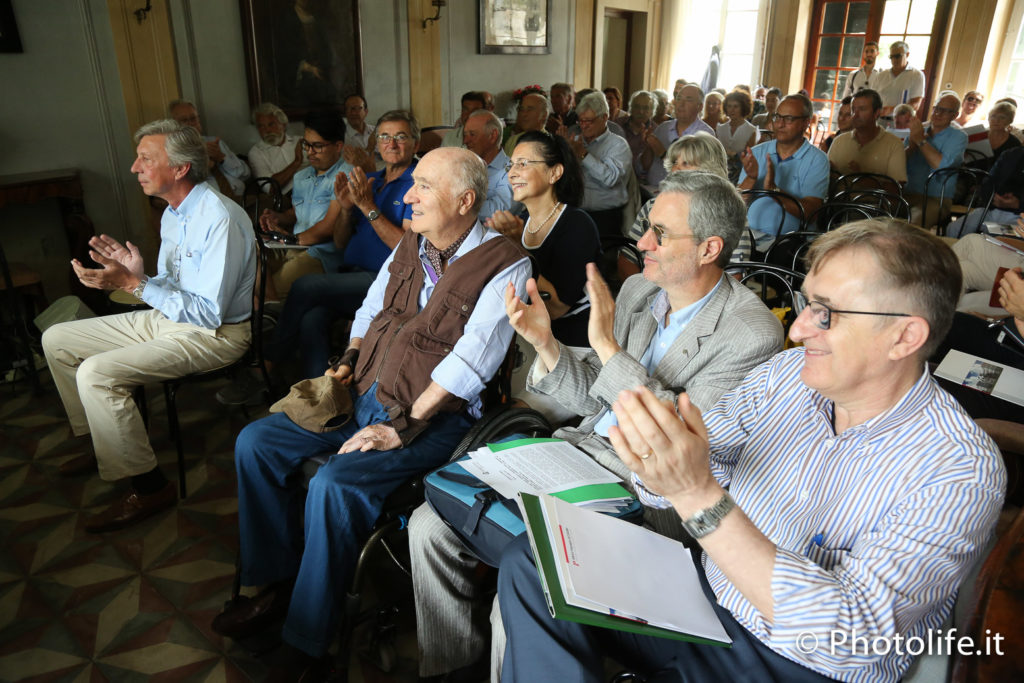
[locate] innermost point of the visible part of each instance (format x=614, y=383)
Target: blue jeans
x=343, y=502
x=542, y=648
x=313, y=304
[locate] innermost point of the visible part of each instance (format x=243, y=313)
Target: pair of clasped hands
x=666, y=445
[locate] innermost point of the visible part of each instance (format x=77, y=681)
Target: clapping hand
x=601, y=328
x=530, y=320
x=508, y=224
x=121, y=266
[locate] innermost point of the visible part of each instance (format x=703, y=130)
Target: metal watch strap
x=707, y=520
x=139, y=288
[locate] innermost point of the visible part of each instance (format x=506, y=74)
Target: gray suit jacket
x=732, y=333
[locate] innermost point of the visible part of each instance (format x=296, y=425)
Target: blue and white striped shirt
x=875, y=528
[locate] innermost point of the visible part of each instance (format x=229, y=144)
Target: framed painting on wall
x=302, y=54
x=515, y=27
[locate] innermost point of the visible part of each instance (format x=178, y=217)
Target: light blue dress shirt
x=805, y=174
x=606, y=171
x=499, y=193
x=951, y=142
x=311, y=198
x=485, y=339
x=207, y=262
x=666, y=134
x=661, y=341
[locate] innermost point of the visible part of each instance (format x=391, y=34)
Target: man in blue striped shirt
x=838, y=495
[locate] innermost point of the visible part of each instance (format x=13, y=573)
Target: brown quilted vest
x=402, y=345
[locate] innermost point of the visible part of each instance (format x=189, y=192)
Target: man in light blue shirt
x=201, y=299
x=606, y=161
x=314, y=208
x=789, y=163
x=688, y=102
x=940, y=145
x=481, y=134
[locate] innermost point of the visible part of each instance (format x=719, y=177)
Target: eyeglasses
x=943, y=110
x=586, y=122
x=316, y=146
x=788, y=119
x=400, y=138
x=898, y=55
x=659, y=233
x=972, y=98
x=822, y=314
x=521, y=164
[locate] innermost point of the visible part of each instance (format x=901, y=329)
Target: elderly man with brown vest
x=431, y=331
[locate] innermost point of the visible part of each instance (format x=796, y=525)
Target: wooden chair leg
x=170, y=393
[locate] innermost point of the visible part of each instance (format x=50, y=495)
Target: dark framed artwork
x=517, y=27
x=10, y=41
x=302, y=54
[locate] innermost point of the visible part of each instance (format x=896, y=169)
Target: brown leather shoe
x=247, y=616
x=80, y=464
x=132, y=508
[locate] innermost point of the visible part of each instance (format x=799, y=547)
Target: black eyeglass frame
x=827, y=323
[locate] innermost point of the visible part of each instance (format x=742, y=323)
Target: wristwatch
x=139, y=288
x=373, y=215
x=707, y=520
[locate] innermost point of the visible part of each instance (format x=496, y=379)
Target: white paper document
x=622, y=569
x=986, y=376
x=537, y=468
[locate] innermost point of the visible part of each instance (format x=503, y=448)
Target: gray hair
x=1004, y=108
x=468, y=173
x=903, y=45
x=903, y=109
x=804, y=101
x=183, y=145
x=180, y=103
x=716, y=208
x=949, y=93
x=402, y=115
x=703, y=150
x=270, y=109
x=492, y=125
x=642, y=93
x=594, y=102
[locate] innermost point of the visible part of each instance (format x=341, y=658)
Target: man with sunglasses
x=939, y=145
x=838, y=495
x=972, y=101
x=900, y=84
x=683, y=325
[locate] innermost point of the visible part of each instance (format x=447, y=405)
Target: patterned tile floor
x=134, y=605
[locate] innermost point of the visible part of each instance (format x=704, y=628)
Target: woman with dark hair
x=736, y=134
x=560, y=238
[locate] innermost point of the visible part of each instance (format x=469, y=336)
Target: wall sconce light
x=438, y=4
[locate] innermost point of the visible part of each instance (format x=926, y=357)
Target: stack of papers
x=603, y=571
x=549, y=466
x=983, y=375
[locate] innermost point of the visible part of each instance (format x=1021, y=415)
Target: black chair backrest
x=787, y=251
x=785, y=282
x=253, y=189
x=888, y=203
x=867, y=181
x=974, y=176
x=777, y=196
x=260, y=294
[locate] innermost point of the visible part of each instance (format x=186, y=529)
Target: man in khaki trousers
x=200, y=299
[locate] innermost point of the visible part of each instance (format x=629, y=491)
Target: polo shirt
x=804, y=174
x=951, y=142
x=883, y=154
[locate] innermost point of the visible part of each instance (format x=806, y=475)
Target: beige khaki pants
x=979, y=261
x=96, y=363
x=289, y=267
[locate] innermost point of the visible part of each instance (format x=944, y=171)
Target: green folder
x=580, y=494
x=540, y=541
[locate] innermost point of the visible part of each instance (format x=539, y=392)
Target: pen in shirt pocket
x=816, y=540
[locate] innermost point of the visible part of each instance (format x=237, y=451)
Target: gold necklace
x=545, y=221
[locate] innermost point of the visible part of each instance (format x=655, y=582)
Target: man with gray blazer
x=681, y=325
